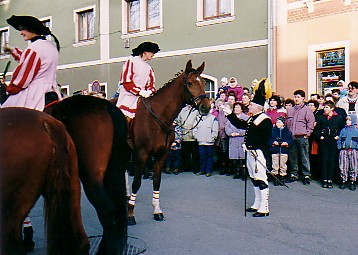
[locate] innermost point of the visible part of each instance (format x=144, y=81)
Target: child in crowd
x=223, y=88
x=279, y=142
x=205, y=133
x=348, y=155
x=173, y=159
x=236, y=140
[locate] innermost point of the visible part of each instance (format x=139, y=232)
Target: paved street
x=205, y=215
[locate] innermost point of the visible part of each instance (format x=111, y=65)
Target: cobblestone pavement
x=205, y=215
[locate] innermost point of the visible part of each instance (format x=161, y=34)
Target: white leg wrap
x=127, y=184
x=155, y=202
x=256, y=204
x=264, y=201
x=132, y=199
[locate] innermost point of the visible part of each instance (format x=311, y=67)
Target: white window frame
x=76, y=12
x=312, y=64
x=67, y=88
x=2, y=30
x=143, y=21
x=200, y=21
x=214, y=80
x=101, y=84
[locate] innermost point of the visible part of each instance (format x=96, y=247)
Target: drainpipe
x=271, y=45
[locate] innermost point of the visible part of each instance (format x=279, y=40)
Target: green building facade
x=96, y=37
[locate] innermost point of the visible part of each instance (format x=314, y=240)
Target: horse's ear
x=201, y=68
x=188, y=67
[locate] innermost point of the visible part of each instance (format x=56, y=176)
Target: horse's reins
x=192, y=102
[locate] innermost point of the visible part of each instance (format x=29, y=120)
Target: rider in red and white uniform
x=137, y=78
x=36, y=73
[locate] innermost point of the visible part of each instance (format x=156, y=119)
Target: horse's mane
x=168, y=83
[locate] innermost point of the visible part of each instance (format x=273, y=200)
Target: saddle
x=50, y=98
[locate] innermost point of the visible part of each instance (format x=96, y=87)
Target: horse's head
x=194, y=88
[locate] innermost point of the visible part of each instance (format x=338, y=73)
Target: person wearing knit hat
x=36, y=73
x=258, y=132
x=279, y=142
x=137, y=78
x=222, y=88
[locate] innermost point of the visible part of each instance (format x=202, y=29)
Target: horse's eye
x=189, y=83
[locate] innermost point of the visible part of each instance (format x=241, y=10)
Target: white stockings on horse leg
x=155, y=202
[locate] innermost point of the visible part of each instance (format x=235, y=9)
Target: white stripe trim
x=223, y=47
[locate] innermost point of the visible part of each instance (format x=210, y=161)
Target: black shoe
x=260, y=214
x=325, y=184
x=343, y=185
x=352, y=186
x=293, y=178
x=250, y=209
x=306, y=181
x=329, y=184
x=176, y=171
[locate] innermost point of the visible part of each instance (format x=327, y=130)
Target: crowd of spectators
x=315, y=139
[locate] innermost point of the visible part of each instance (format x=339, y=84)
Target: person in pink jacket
x=137, y=78
x=36, y=73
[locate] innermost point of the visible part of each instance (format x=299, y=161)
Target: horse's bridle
x=192, y=100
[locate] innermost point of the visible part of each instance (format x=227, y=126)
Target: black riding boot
x=29, y=244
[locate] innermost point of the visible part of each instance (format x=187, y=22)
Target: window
x=330, y=68
x=65, y=90
x=214, y=11
x=84, y=21
x=4, y=39
x=85, y=25
x=210, y=88
x=216, y=8
x=141, y=17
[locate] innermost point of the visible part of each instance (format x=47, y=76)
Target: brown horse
x=38, y=157
x=99, y=131
x=152, y=133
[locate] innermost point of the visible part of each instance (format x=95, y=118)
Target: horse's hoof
x=131, y=221
x=159, y=217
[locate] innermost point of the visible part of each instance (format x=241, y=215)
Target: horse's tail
x=65, y=232
x=114, y=181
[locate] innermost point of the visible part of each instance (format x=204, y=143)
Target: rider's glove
x=145, y=93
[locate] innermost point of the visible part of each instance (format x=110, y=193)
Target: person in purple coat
x=236, y=140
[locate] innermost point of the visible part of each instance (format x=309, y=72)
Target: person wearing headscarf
x=258, y=132
x=137, y=78
x=36, y=73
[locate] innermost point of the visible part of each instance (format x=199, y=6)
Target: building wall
x=321, y=25
x=237, y=48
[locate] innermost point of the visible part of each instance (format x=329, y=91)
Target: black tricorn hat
x=32, y=24
x=263, y=91
x=145, y=46
x=29, y=23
